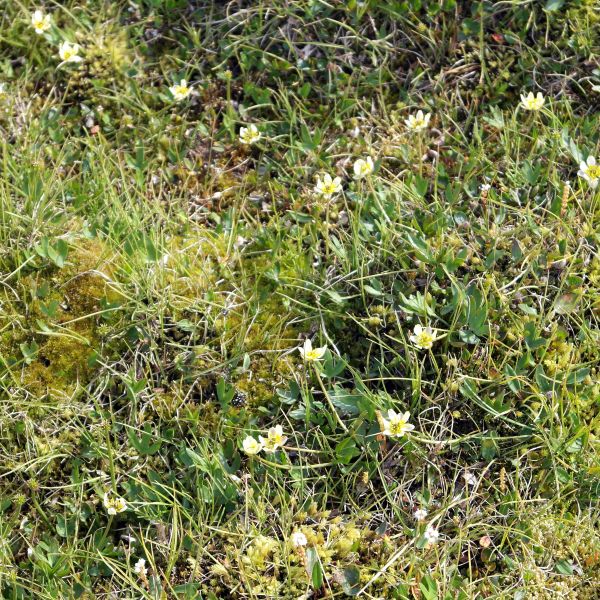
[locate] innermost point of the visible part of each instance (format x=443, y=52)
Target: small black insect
x=239, y=400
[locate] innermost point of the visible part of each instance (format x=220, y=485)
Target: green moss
x=61, y=318
x=271, y=566
x=265, y=375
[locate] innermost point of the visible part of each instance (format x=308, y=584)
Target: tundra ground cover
x=300, y=299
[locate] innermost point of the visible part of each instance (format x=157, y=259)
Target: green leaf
x=335, y=297
x=489, y=448
x=516, y=251
x=532, y=338
x=50, y=308
x=493, y=257
x=188, y=591
x=528, y=310
x=225, y=393
x=429, y=589
x=495, y=119
x=469, y=390
x=372, y=290
x=144, y=444
x=513, y=383
x=65, y=527
x=570, y=145
x=578, y=376
x=57, y=253
x=313, y=567
x=552, y=5
x=346, y=450
x=289, y=396
x=564, y=567
x=574, y=446
x=417, y=304
x=497, y=405
x=346, y=402
x=566, y=303
x=421, y=247
x=333, y=366
x=478, y=312
x=531, y=172
x=350, y=580
x=29, y=351
x=547, y=384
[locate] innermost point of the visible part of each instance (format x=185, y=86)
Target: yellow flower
x=363, y=167
x=590, y=171
x=309, y=353
x=180, y=91
x=251, y=446
x=40, y=22
x=275, y=439
x=418, y=122
x=114, y=505
x=69, y=53
x=396, y=425
x=249, y=135
x=423, y=337
x=327, y=186
x=531, y=102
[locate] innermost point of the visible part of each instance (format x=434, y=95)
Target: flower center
x=397, y=427
x=534, y=103
x=593, y=171
x=274, y=440
x=425, y=339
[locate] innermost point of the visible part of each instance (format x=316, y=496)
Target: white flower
x=422, y=337
x=299, y=539
x=328, y=186
x=180, y=91
x=531, y=102
x=2, y=88
x=249, y=135
x=251, y=446
x=418, y=122
x=432, y=535
x=140, y=568
x=363, y=167
x=40, y=22
x=114, y=505
x=69, y=53
x=396, y=425
x=274, y=440
x=470, y=479
x=590, y=171
x=420, y=514
x=309, y=353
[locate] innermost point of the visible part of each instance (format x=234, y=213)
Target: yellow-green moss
x=67, y=335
